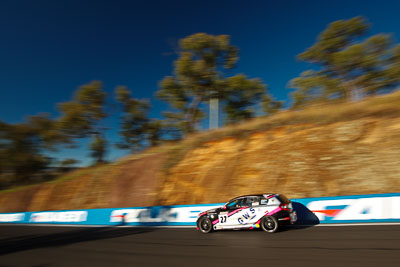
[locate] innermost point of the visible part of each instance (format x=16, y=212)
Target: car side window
x=254, y=201
x=246, y=201
x=242, y=202
x=233, y=204
x=263, y=201
x=238, y=203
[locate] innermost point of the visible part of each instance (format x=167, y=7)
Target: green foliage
x=48, y=131
x=155, y=131
x=198, y=74
x=314, y=87
x=23, y=146
x=21, y=157
x=393, y=71
x=349, y=68
x=337, y=36
x=240, y=95
x=271, y=106
x=68, y=162
x=98, y=149
x=82, y=116
x=134, y=120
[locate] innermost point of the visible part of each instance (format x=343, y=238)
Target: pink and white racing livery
x=265, y=211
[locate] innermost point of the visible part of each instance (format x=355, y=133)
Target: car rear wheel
x=205, y=224
x=269, y=224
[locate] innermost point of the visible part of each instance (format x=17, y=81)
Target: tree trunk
x=191, y=114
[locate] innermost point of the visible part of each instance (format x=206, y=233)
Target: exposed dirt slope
x=129, y=183
x=354, y=157
x=321, y=151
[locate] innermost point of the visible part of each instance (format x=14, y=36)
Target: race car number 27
x=222, y=218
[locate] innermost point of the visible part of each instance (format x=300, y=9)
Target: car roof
x=254, y=195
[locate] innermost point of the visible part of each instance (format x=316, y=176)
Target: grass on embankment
x=381, y=106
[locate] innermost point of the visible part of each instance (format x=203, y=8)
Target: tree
x=3, y=146
x=313, y=87
x=197, y=75
x=349, y=68
x=98, y=148
x=82, y=116
x=393, y=71
x=134, y=121
x=48, y=131
x=68, y=163
x=240, y=95
x=200, y=74
x=22, y=149
x=270, y=105
x=155, y=130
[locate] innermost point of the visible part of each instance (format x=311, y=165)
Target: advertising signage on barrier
x=343, y=209
x=12, y=217
x=160, y=215
x=88, y=217
x=352, y=209
x=63, y=216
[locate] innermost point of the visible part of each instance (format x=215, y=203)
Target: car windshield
x=233, y=203
x=237, y=203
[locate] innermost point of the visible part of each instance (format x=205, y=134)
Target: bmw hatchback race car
x=265, y=211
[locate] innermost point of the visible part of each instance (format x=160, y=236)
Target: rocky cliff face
x=353, y=157
x=128, y=183
x=304, y=160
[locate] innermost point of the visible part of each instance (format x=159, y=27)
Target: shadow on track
x=305, y=218
x=304, y=215
x=12, y=245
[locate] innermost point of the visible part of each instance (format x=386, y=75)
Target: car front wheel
x=269, y=224
x=205, y=224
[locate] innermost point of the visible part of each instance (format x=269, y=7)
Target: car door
x=242, y=213
x=261, y=208
x=248, y=215
x=226, y=216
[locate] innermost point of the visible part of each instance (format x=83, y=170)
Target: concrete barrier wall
x=344, y=209
x=351, y=209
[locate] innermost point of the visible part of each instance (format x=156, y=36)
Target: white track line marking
x=191, y=226
x=357, y=224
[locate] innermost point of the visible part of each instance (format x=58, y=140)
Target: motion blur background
x=115, y=96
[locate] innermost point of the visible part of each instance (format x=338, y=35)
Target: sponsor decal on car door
x=240, y=216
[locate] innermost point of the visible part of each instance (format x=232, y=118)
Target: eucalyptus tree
x=347, y=66
x=82, y=117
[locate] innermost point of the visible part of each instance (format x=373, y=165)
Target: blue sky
x=49, y=48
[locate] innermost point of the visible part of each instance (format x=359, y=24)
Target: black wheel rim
x=205, y=225
x=269, y=224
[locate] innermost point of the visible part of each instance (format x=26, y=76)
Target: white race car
x=265, y=211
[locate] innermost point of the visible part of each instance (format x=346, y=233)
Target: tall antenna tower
x=214, y=113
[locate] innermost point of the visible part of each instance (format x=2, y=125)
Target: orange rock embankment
x=344, y=158
x=305, y=160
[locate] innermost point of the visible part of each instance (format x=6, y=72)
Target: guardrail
x=343, y=209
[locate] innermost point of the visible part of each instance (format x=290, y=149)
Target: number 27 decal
x=222, y=218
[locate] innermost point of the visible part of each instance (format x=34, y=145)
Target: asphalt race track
x=130, y=246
